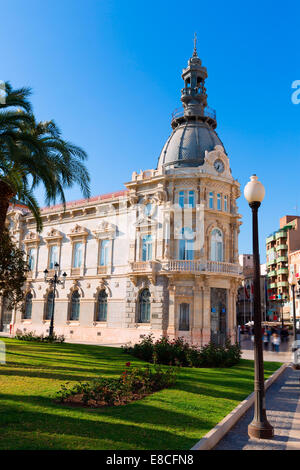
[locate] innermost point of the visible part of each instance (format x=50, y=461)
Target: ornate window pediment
x=32, y=237
x=78, y=231
x=53, y=235
x=105, y=230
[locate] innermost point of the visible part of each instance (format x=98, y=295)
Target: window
x=104, y=252
x=77, y=255
x=181, y=199
x=148, y=209
x=191, y=199
x=186, y=199
x=144, y=306
x=225, y=203
x=186, y=244
x=184, y=317
x=211, y=200
x=53, y=256
x=75, y=306
x=216, y=245
x=49, y=306
x=31, y=259
x=146, y=247
x=219, y=203
x=102, y=306
x=28, y=306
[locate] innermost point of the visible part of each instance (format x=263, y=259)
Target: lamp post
x=53, y=282
x=259, y=428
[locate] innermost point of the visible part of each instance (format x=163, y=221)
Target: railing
x=191, y=266
x=208, y=266
x=137, y=266
x=208, y=112
x=193, y=91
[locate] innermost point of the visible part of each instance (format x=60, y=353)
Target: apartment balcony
x=281, y=259
x=273, y=285
x=281, y=247
x=270, y=238
x=281, y=234
x=282, y=271
x=143, y=266
x=283, y=284
x=272, y=273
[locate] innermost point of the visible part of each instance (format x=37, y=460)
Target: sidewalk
x=283, y=412
x=285, y=354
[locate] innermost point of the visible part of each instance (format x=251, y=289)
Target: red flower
x=127, y=364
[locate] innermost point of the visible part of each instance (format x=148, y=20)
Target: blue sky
x=109, y=73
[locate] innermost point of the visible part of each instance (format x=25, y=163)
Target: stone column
x=206, y=313
x=171, y=330
x=196, y=327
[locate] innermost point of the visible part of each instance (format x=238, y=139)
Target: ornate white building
x=160, y=256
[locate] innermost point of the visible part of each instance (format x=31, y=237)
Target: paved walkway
x=285, y=354
x=283, y=411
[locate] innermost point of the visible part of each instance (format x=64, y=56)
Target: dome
x=187, y=144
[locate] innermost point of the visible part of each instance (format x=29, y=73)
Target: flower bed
x=31, y=336
x=179, y=352
x=133, y=384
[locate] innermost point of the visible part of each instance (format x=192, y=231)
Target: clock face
x=219, y=166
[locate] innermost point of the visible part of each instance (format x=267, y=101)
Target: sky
x=109, y=74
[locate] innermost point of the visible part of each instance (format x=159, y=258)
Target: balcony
x=143, y=266
x=281, y=234
x=281, y=259
x=281, y=247
x=196, y=266
x=270, y=238
x=282, y=271
x=283, y=284
x=272, y=273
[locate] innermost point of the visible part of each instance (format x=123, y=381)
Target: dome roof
x=187, y=144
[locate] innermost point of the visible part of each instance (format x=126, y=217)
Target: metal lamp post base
x=261, y=430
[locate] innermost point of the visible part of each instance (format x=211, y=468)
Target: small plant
x=179, y=352
x=31, y=336
x=134, y=383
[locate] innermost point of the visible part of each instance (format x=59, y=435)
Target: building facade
x=280, y=245
x=159, y=257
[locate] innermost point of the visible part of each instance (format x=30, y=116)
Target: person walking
x=276, y=342
x=266, y=341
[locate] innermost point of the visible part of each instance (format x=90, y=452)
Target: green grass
x=170, y=419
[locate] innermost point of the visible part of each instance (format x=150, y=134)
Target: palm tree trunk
x=6, y=194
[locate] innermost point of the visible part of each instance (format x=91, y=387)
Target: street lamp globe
x=254, y=190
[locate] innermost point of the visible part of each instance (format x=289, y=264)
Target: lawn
x=170, y=419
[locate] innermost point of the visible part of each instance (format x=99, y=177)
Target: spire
x=195, y=46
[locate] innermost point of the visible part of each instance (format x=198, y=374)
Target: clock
x=219, y=166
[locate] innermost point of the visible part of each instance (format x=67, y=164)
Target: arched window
x=184, y=317
x=146, y=248
x=186, y=244
x=102, y=306
x=144, y=306
x=216, y=245
x=28, y=306
x=49, y=305
x=75, y=305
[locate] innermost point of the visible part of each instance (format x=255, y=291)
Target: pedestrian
x=266, y=341
x=276, y=342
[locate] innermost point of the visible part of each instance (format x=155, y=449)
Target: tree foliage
x=13, y=267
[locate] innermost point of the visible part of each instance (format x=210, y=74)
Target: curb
x=212, y=438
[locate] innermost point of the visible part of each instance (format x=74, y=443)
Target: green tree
x=13, y=268
x=33, y=153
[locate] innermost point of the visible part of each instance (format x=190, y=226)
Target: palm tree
x=34, y=153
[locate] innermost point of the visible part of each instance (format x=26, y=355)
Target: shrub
x=179, y=352
x=133, y=384
x=31, y=336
